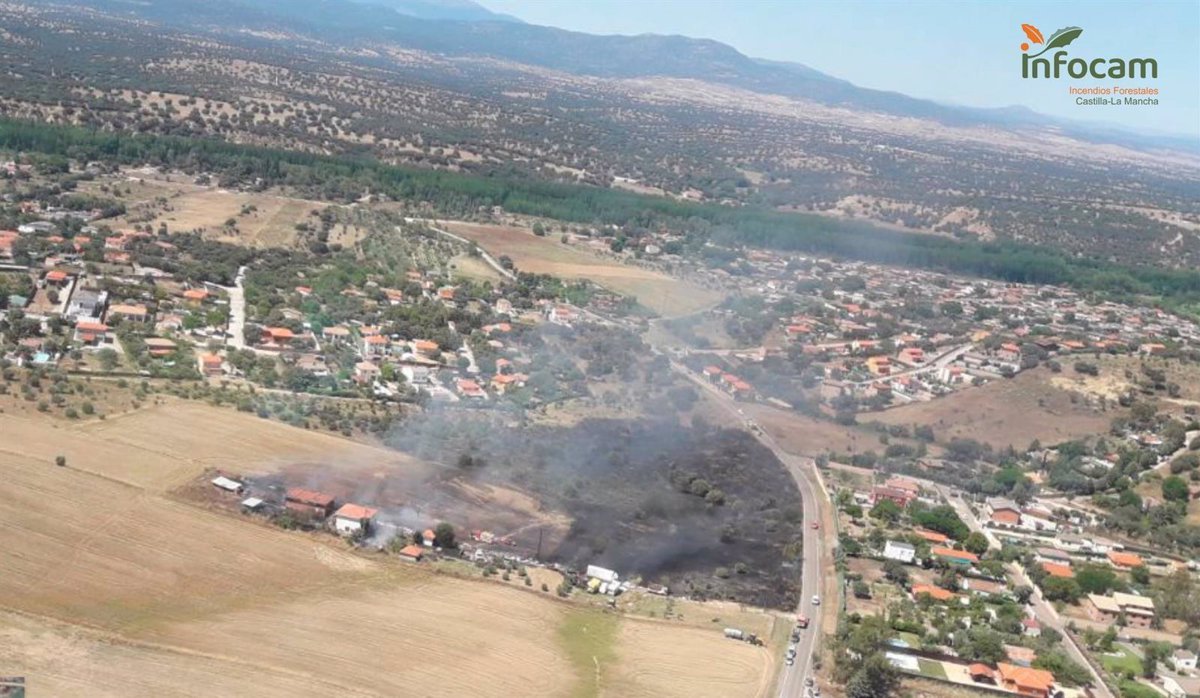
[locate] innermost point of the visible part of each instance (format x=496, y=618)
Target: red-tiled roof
x=299, y=494
x=355, y=511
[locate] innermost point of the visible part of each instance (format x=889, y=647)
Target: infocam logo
x=1033, y=66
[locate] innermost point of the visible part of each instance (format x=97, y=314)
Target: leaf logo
x=1059, y=39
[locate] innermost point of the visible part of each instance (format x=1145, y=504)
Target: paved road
x=1042, y=610
x=237, y=312
x=812, y=575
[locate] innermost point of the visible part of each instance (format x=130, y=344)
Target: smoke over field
x=707, y=511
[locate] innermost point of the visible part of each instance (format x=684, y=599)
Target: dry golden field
x=546, y=255
x=1006, y=412
x=110, y=585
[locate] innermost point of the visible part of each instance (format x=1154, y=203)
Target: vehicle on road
x=802, y=621
x=789, y=661
x=816, y=600
x=815, y=525
x=808, y=681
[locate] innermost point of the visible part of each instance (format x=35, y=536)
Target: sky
x=966, y=53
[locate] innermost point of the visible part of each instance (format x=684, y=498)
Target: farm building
x=896, y=550
x=227, y=484
x=412, y=553
x=308, y=502
x=352, y=519
x=604, y=575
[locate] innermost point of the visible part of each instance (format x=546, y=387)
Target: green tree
x=1060, y=589
x=976, y=543
x=886, y=510
x=1174, y=489
x=875, y=678
x=443, y=535
x=108, y=358
x=1094, y=579
x=1064, y=669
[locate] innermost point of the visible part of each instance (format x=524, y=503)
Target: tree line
x=346, y=178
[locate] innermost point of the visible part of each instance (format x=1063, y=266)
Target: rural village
x=1040, y=562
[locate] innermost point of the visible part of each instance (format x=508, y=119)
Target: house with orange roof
x=1124, y=561
x=1009, y=352
x=92, y=333
x=277, y=335
x=934, y=592
x=981, y=673
x=7, y=239
x=958, y=558
x=353, y=519
x=1061, y=571
x=932, y=536
x=1037, y=683
x=211, y=365
x=901, y=498
x=128, y=312
x=308, y=502
x=57, y=277
x=158, y=347
x=426, y=347
x=879, y=365
x=412, y=553
x=502, y=382
x=468, y=388
x=196, y=296
x=374, y=345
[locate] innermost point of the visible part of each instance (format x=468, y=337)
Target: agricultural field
x=546, y=255
x=1007, y=412
x=113, y=586
x=259, y=219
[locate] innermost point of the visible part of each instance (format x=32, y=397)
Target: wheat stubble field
x=112, y=586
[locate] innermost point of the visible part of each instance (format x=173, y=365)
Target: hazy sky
x=955, y=52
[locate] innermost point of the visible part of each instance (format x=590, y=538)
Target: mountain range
x=449, y=84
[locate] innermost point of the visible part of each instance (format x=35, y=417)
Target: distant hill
x=465, y=28
x=462, y=10
x=448, y=84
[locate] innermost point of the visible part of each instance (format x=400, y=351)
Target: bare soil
x=1007, y=412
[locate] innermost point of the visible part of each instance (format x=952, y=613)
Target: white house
x=353, y=519
x=1178, y=685
x=1185, y=660
x=415, y=374
x=902, y=552
x=1037, y=519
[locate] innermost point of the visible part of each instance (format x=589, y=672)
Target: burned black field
x=708, y=512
